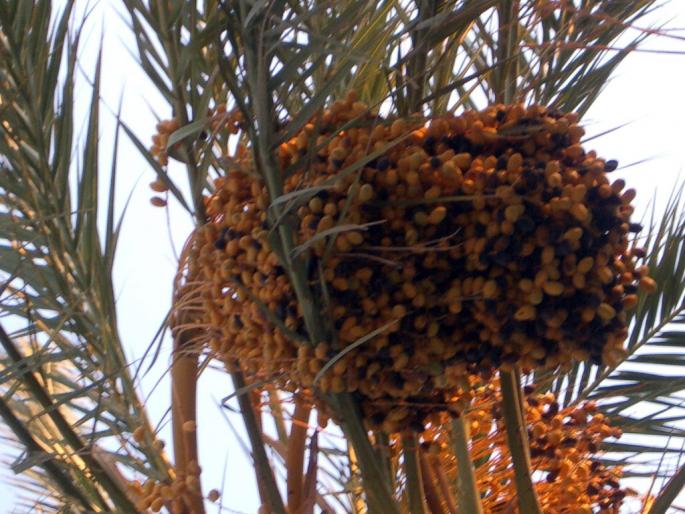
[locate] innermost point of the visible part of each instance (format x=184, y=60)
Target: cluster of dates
x=463, y=244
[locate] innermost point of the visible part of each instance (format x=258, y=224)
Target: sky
x=645, y=95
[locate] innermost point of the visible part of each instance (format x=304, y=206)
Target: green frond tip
x=669, y=493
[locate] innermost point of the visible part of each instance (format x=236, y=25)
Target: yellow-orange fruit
x=564, y=449
x=497, y=245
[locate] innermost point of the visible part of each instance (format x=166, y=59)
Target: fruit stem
x=517, y=440
x=275, y=404
x=265, y=475
x=376, y=483
x=467, y=490
x=412, y=471
x=438, y=469
x=416, y=66
x=296, y=450
x=382, y=442
x=184, y=373
x=506, y=49
x=433, y=500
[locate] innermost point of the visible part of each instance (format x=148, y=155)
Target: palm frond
x=57, y=288
x=279, y=63
x=643, y=393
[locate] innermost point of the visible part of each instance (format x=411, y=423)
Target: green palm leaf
x=68, y=394
x=643, y=394
x=65, y=377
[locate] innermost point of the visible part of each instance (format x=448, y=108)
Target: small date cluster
x=464, y=244
x=174, y=495
x=565, y=449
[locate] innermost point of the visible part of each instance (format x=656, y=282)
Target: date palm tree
x=70, y=397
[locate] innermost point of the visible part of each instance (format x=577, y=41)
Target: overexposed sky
x=646, y=93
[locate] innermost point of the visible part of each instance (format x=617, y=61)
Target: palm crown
x=248, y=87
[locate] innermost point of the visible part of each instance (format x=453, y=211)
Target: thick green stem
x=517, y=440
x=507, y=42
x=467, y=490
x=376, y=483
x=265, y=475
x=412, y=472
x=258, y=74
x=383, y=451
x=417, y=78
x=379, y=494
